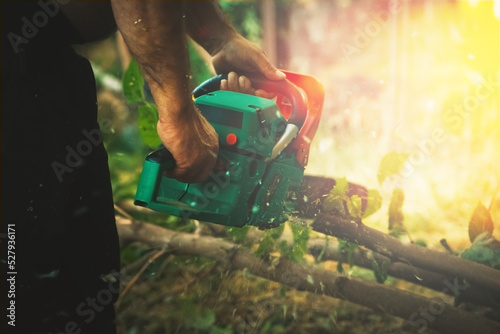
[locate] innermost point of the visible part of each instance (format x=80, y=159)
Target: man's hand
x=194, y=144
x=242, y=84
x=243, y=56
x=240, y=55
x=208, y=26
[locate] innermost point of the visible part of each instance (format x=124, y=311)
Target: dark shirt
x=66, y=239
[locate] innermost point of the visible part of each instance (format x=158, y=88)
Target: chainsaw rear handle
x=162, y=156
x=283, y=87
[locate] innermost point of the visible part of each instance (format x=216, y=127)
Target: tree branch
x=413, y=255
x=402, y=271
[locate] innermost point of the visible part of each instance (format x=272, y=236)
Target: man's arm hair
x=154, y=32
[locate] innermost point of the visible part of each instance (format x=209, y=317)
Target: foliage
x=339, y=202
x=335, y=200
x=268, y=243
x=133, y=89
x=148, y=118
x=485, y=248
x=271, y=242
x=392, y=163
x=373, y=202
x=238, y=233
x=323, y=250
x=198, y=320
x=379, y=266
x=133, y=83
x=348, y=249
x=200, y=70
x=244, y=15
x=300, y=238
x=480, y=222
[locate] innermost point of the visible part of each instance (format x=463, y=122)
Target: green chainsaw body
x=258, y=173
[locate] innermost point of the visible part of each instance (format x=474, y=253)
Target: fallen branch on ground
x=412, y=274
x=413, y=255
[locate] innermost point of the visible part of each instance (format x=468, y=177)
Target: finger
x=233, y=82
x=245, y=85
x=197, y=174
x=269, y=71
x=224, y=85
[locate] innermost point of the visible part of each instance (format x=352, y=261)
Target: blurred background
x=417, y=77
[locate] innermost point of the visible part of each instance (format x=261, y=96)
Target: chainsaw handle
x=209, y=85
x=283, y=87
x=163, y=157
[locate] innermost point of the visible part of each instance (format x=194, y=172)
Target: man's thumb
x=271, y=72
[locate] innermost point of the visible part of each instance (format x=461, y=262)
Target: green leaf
x=300, y=238
x=480, y=222
x=133, y=83
x=485, y=250
x=396, y=217
x=148, y=119
x=379, y=267
x=340, y=269
x=285, y=249
x=334, y=202
x=348, y=248
x=421, y=243
x=391, y=164
x=265, y=246
x=354, y=206
x=268, y=243
x=373, y=203
x=200, y=69
x=238, y=233
x=323, y=250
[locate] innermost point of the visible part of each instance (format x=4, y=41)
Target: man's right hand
x=194, y=144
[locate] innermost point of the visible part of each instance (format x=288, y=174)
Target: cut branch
x=413, y=255
x=402, y=271
x=403, y=304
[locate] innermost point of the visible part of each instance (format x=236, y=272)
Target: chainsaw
x=258, y=178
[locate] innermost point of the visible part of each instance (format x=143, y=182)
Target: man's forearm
x=155, y=33
x=207, y=25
